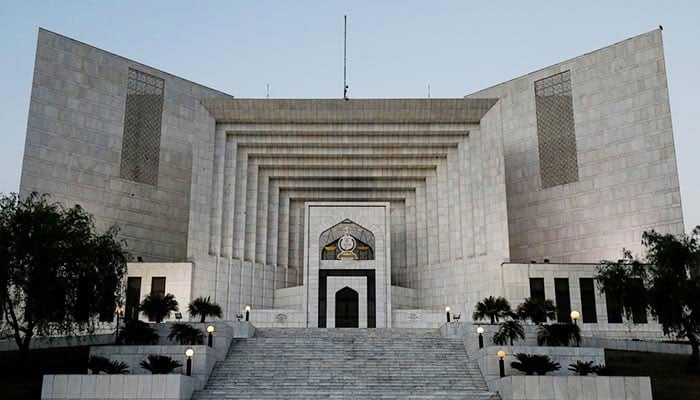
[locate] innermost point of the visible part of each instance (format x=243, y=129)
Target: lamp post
x=119, y=312
x=447, y=311
x=575, y=315
x=247, y=313
x=501, y=364
x=210, y=330
x=480, y=331
x=189, y=353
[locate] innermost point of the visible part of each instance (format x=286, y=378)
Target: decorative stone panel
x=555, y=130
x=142, y=128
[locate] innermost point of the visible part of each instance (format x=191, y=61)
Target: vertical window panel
x=588, y=310
x=563, y=299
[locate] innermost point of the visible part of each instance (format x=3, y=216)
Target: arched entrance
x=347, y=308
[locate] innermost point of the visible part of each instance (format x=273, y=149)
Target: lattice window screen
x=555, y=130
x=142, y=126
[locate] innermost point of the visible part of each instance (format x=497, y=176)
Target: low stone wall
x=637, y=345
x=221, y=338
x=487, y=359
x=202, y=362
x=417, y=319
x=277, y=318
x=573, y=387
x=59, y=341
x=117, y=387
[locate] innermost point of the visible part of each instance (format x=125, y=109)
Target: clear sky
x=395, y=49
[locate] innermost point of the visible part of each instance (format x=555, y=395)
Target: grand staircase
x=346, y=364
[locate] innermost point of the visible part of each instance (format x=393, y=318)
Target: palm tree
x=138, y=332
x=536, y=310
x=509, y=330
x=494, y=308
x=203, y=307
x=186, y=334
x=157, y=307
x=158, y=364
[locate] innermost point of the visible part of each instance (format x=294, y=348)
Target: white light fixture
x=501, y=365
x=247, y=308
x=480, y=330
x=210, y=328
x=575, y=315
x=189, y=352
x=447, y=309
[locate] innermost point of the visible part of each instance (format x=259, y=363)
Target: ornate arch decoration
x=347, y=241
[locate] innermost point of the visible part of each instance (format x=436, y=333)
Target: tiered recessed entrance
x=347, y=267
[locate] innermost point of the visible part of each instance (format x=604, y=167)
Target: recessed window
x=588, y=310
x=614, y=308
x=537, y=288
x=563, y=299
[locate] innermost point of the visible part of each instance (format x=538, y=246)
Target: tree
x=670, y=287
x=157, y=307
x=204, y=307
x=536, y=310
x=509, y=331
x=494, y=308
x=57, y=275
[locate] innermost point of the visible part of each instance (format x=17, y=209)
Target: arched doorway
x=347, y=308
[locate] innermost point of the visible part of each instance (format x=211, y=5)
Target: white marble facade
x=245, y=186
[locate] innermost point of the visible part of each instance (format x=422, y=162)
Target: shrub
x=160, y=364
x=186, y=334
x=97, y=364
x=534, y=364
x=204, y=307
x=536, y=310
x=558, y=334
x=157, y=307
x=508, y=331
x=582, y=368
x=138, y=332
x=493, y=308
x=603, y=370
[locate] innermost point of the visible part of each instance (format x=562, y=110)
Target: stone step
x=315, y=363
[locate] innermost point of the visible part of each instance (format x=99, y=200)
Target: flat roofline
x=289, y=111
x=568, y=60
x=555, y=263
x=44, y=30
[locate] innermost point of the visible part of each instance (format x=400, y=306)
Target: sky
x=395, y=50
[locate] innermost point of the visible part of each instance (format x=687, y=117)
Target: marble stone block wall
x=74, y=141
x=627, y=174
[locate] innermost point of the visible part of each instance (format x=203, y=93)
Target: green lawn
x=19, y=381
x=670, y=376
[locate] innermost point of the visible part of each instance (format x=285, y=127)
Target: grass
x=671, y=378
x=21, y=380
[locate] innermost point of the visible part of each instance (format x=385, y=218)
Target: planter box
x=117, y=387
x=202, y=362
x=573, y=387
x=488, y=361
